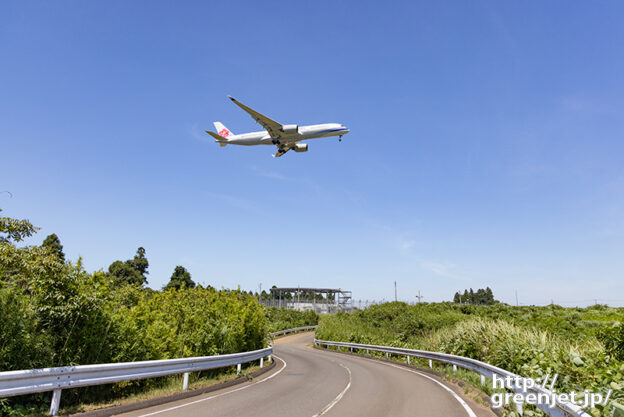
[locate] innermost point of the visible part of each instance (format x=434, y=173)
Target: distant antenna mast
x=517, y=299
x=395, y=292
x=419, y=296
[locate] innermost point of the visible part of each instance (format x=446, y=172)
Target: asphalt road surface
x=309, y=382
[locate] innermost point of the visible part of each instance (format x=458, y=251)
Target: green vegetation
x=54, y=313
x=582, y=345
x=132, y=271
x=281, y=318
x=53, y=243
x=179, y=279
x=481, y=297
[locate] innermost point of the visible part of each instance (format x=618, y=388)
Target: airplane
x=285, y=137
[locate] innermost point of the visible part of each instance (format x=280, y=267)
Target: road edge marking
x=220, y=394
x=453, y=393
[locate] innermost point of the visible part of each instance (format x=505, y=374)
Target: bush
x=283, y=318
x=517, y=339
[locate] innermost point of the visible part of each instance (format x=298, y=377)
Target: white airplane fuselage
x=285, y=137
x=302, y=133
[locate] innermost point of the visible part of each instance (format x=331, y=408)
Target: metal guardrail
x=561, y=409
x=31, y=381
x=293, y=330
x=56, y=379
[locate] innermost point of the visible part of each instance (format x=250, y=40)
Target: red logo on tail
x=224, y=132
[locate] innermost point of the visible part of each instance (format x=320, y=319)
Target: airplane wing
x=281, y=150
x=271, y=126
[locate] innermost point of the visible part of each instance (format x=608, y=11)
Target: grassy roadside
x=513, y=339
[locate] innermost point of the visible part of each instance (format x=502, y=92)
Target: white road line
x=338, y=398
x=453, y=393
x=221, y=394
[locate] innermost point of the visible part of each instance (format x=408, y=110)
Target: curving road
x=308, y=382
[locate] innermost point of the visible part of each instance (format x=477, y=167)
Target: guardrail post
x=408, y=360
x=185, y=381
x=269, y=359
x=618, y=410
x=519, y=409
x=366, y=352
x=482, y=379
x=238, y=369
x=351, y=349
x=261, y=362
x=56, y=402
x=454, y=368
x=430, y=364
x=386, y=355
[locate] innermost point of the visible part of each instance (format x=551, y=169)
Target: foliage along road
x=309, y=383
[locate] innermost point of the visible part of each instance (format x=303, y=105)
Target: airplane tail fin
x=222, y=130
x=220, y=139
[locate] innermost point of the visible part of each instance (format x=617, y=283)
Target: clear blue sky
x=486, y=144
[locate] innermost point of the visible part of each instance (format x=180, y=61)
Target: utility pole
x=517, y=299
x=395, y=292
x=259, y=291
x=419, y=296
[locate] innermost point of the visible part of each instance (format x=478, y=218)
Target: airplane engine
x=290, y=129
x=301, y=147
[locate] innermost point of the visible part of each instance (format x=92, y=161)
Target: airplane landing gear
x=340, y=138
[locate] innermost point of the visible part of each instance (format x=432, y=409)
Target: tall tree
x=457, y=298
x=123, y=273
x=53, y=243
x=480, y=297
x=140, y=262
x=180, y=278
x=132, y=271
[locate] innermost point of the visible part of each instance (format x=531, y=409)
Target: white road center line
x=338, y=398
x=221, y=394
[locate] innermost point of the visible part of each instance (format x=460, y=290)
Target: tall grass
x=525, y=349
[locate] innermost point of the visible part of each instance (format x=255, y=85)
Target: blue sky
x=486, y=144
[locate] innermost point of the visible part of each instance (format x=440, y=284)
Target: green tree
x=480, y=297
x=132, y=271
x=53, y=243
x=22, y=266
x=457, y=298
x=123, y=273
x=140, y=262
x=180, y=278
x=15, y=230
